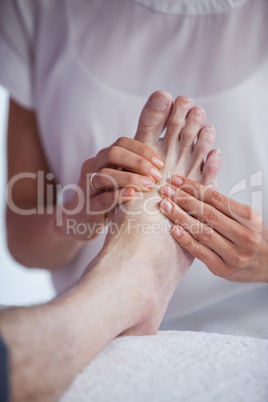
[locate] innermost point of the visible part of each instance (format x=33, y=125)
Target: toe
x=177, y=119
x=204, y=143
x=211, y=168
x=154, y=117
x=188, y=135
x=195, y=119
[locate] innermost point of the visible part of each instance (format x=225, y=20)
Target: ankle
x=130, y=285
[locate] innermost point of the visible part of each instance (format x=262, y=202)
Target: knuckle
x=113, y=153
x=133, y=180
x=201, y=253
x=147, y=122
x=122, y=142
x=85, y=167
x=105, y=178
x=183, y=201
x=253, y=242
x=187, y=240
x=212, y=169
x=205, y=233
x=186, y=139
x=140, y=163
x=257, y=221
x=217, y=198
x=256, y=240
x=192, y=188
x=195, y=118
x=247, y=213
x=204, y=146
x=176, y=121
x=211, y=216
x=245, y=237
x=241, y=261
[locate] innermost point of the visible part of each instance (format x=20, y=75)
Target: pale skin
x=45, y=245
x=125, y=167
x=51, y=343
x=232, y=239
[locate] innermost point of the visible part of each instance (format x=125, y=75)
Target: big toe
x=154, y=117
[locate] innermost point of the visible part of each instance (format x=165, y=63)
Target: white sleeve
x=16, y=56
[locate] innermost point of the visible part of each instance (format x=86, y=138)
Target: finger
x=141, y=149
x=106, y=201
x=200, y=231
x=214, y=263
x=128, y=160
x=224, y=225
x=113, y=179
x=239, y=212
x=138, y=148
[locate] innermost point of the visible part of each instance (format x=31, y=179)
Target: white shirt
x=87, y=68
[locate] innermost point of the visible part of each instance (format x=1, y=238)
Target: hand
x=124, y=167
x=229, y=237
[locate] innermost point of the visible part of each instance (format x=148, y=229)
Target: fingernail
x=128, y=192
x=155, y=174
x=159, y=101
x=147, y=182
x=168, y=191
x=157, y=162
x=176, y=180
x=176, y=231
x=166, y=205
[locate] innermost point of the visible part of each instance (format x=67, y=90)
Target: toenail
x=166, y=205
x=186, y=99
x=155, y=174
x=209, y=127
x=128, y=192
x=146, y=182
x=159, y=101
x=217, y=152
x=199, y=110
x=168, y=191
x=176, y=180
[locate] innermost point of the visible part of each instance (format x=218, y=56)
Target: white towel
x=176, y=366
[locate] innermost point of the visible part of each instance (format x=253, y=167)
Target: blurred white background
x=18, y=285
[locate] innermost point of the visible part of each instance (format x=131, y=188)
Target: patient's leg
x=145, y=241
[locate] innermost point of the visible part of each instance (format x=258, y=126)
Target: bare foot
x=145, y=242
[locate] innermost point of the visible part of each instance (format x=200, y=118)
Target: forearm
x=50, y=344
x=36, y=241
